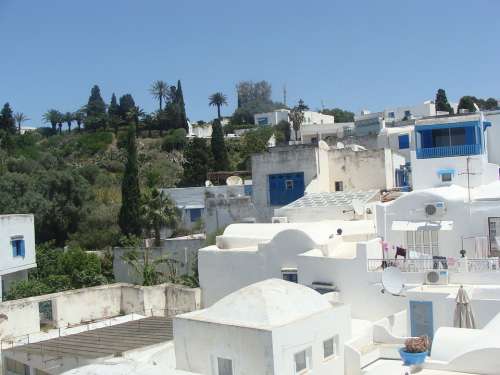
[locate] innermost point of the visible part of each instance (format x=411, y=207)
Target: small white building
x=313, y=133
x=275, y=117
x=271, y=327
x=202, y=130
x=213, y=207
x=451, y=150
x=17, y=241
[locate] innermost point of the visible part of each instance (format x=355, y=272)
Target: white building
x=443, y=221
x=197, y=130
x=313, y=133
x=270, y=327
x=213, y=207
x=275, y=117
x=17, y=241
x=451, y=150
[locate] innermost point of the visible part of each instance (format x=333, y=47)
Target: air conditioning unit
x=279, y=219
x=436, y=208
x=436, y=277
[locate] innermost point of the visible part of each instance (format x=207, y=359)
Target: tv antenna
x=284, y=94
x=468, y=173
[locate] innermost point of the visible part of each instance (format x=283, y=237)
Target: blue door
x=421, y=319
x=285, y=188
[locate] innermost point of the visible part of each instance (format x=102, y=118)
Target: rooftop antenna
x=392, y=281
x=468, y=173
x=284, y=94
x=322, y=105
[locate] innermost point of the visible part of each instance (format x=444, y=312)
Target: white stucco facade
x=261, y=329
x=275, y=117
x=17, y=244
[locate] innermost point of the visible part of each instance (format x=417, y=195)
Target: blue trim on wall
x=463, y=124
x=404, y=141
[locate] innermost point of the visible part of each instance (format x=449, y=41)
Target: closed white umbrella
x=464, y=318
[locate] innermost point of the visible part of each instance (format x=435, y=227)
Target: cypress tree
x=7, y=121
x=197, y=159
x=113, y=109
x=219, y=151
x=129, y=218
x=442, y=103
x=182, y=107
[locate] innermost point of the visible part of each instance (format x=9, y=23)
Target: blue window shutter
x=21, y=243
x=404, y=141
x=14, y=249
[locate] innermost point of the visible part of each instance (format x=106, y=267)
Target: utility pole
x=284, y=94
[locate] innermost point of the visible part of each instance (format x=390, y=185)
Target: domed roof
x=268, y=303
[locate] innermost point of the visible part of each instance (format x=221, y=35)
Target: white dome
x=268, y=303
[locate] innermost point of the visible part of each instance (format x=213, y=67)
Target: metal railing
x=448, y=151
x=423, y=265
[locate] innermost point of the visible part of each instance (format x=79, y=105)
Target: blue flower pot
x=412, y=358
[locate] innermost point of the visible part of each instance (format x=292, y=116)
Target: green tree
x=467, y=103
x=182, y=107
x=7, y=121
x=126, y=104
x=95, y=106
x=51, y=117
x=60, y=120
x=158, y=211
x=20, y=118
x=217, y=99
x=174, y=140
x=159, y=90
x=297, y=116
x=68, y=118
x=339, y=114
x=150, y=270
x=218, y=146
x=79, y=117
x=129, y=217
x=442, y=103
x=282, y=132
x=196, y=162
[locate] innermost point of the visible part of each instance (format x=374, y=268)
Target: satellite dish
x=208, y=183
x=392, y=281
x=234, y=180
x=340, y=145
x=358, y=206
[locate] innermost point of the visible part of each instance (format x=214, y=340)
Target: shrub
x=174, y=140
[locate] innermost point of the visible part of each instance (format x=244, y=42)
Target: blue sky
x=348, y=54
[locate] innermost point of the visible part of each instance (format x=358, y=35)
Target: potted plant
x=415, y=350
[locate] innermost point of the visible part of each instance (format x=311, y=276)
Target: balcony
x=424, y=265
x=448, y=151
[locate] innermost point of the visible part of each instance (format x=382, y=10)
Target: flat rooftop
x=105, y=342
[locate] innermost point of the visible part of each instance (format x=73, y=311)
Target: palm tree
x=60, y=120
x=20, y=117
x=79, y=117
x=160, y=91
x=134, y=114
x=51, y=117
x=217, y=99
x=148, y=269
x=68, y=117
x=158, y=211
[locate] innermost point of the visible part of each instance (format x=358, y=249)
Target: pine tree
x=129, y=218
x=95, y=106
x=113, y=109
x=467, y=102
x=197, y=159
x=219, y=151
x=182, y=107
x=126, y=104
x=7, y=121
x=442, y=103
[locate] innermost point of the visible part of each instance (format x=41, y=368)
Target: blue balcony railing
x=449, y=151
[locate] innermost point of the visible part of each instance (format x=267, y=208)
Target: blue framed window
x=18, y=247
x=195, y=214
x=262, y=121
x=404, y=141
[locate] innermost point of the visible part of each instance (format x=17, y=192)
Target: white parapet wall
x=80, y=306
